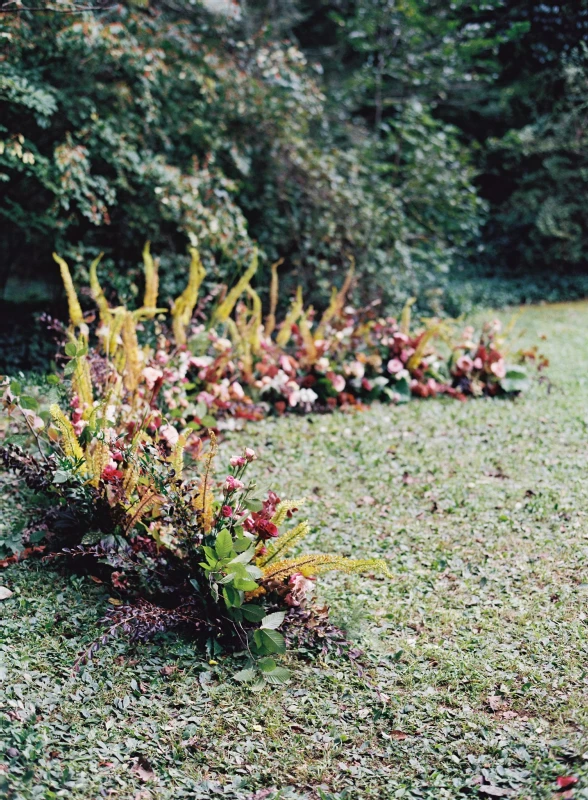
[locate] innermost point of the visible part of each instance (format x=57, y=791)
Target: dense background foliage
x=432, y=142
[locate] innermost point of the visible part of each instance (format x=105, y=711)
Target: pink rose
x=151, y=376
x=498, y=368
x=250, y=454
x=464, y=364
x=394, y=366
x=232, y=484
x=237, y=461
x=227, y=511
x=338, y=382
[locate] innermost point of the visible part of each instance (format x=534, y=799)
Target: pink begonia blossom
x=250, y=454
x=338, y=382
x=464, y=364
x=400, y=338
x=238, y=461
x=301, y=588
x=394, y=366
x=237, y=390
x=233, y=484
x=206, y=398
x=170, y=434
x=498, y=368
x=478, y=363
x=200, y=362
x=151, y=376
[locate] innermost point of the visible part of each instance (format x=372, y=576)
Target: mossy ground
x=474, y=671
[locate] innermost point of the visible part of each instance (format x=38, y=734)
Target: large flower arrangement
x=183, y=550
x=232, y=363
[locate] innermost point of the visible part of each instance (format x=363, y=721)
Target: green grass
x=481, y=509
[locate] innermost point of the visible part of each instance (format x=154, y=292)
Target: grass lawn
x=474, y=674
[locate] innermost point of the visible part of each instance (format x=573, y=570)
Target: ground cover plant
x=472, y=678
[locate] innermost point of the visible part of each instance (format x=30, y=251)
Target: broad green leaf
x=515, y=380
x=277, y=676
x=245, y=675
x=71, y=349
x=245, y=585
x=273, y=621
x=272, y=641
x=266, y=664
x=252, y=612
x=15, y=387
x=243, y=558
x=29, y=403
x=224, y=544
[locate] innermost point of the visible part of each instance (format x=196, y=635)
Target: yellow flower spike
x=82, y=384
x=97, y=456
x=132, y=352
x=184, y=305
x=292, y=317
x=419, y=352
x=205, y=498
x=151, y=279
x=270, y=322
x=337, y=302
x=71, y=445
x=317, y=563
x=74, y=308
x=308, y=339
x=97, y=293
x=284, y=543
x=282, y=510
x=177, y=457
x=255, y=323
x=223, y=311
x=406, y=315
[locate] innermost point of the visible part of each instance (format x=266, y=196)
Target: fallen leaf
x=168, y=670
x=494, y=701
x=5, y=593
x=398, y=735
x=95, y=579
x=566, y=780
x=494, y=791
x=143, y=770
x=114, y=602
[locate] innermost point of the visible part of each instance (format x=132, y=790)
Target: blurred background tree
x=438, y=144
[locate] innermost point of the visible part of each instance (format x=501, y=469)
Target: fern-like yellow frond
x=205, y=498
x=142, y=507
x=308, y=339
x=337, y=302
x=281, y=545
x=292, y=317
x=270, y=322
x=185, y=303
x=97, y=293
x=255, y=322
x=71, y=445
x=97, y=457
x=223, y=311
x=283, y=510
x=73, y=304
x=82, y=384
x=421, y=347
x=406, y=316
x=177, y=457
x=132, y=352
x=317, y=563
x=151, y=279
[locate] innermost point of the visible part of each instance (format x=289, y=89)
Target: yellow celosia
x=75, y=310
x=308, y=339
x=133, y=356
x=177, y=457
x=183, y=307
x=283, y=509
x=97, y=293
x=317, y=563
x=71, y=445
x=406, y=315
x=203, y=502
x=292, y=317
x=284, y=543
x=223, y=311
x=337, y=302
x=270, y=322
x=151, y=279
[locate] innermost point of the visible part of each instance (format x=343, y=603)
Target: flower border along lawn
x=472, y=680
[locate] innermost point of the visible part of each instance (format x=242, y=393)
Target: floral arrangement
x=182, y=550
x=233, y=364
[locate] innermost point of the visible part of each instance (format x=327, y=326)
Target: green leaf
x=252, y=612
x=515, y=380
x=53, y=380
x=245, y=585
x=15, y=387
x=245, y=557
x=71, y=349
x=70, y=368
x=245, y=675
x=273, y=621
x=232, y=597
x=29, y=403
x=224, y=544
x=277, y=676
x=270, y=641
x=266, y=664
x=208, y=421
x=201, y=410
x=254, y=505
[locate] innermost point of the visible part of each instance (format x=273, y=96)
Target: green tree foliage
x=174, y=125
